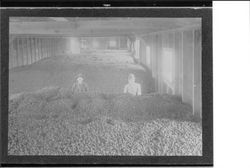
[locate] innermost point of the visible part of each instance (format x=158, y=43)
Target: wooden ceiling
x=103, y=26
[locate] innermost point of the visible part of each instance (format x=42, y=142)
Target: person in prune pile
x=80, y=86
x=132, y=87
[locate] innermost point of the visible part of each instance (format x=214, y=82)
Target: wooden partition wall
x=25, y=50
x=174, y=58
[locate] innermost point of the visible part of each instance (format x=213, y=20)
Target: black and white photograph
x=105, y=86
x=124, y=83
x=126, y=86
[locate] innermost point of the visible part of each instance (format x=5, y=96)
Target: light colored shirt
x=79, y=88
x=134, y=89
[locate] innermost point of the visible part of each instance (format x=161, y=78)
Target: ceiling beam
x=59, y=19
x=73, y=26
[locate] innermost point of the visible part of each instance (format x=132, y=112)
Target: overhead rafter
x=96, y=27
x=59, y=19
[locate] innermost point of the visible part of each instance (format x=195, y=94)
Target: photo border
x=207, y=88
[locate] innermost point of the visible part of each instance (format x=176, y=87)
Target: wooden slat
x=19, y=52
x=39, y=48
x=47, y=47
x=197, y=74
x=42, y=49
x=165, y=64
x=177, y=63
x=181, y=65
x=22, y=51
x=32, y=50
x=56, y=43
x=36, y=49
x=25, y=51
x=29, y=50
x=54, y=46
x=158, y=68
x=11, y=52
x=188, y=67
x=171, y=86
x=15, y=64
x=50, y=47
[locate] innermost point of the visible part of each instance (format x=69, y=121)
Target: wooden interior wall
x=176, y=64
x=25, y=50
x=197, y=73
x=188, y=60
